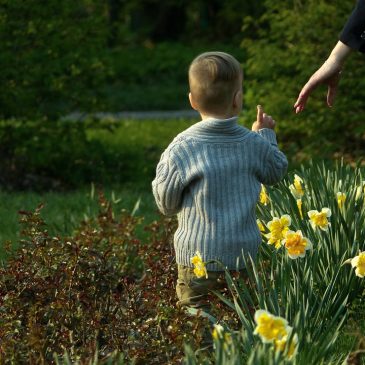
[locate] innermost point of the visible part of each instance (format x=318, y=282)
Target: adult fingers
x=300, y=103
x=302, y=99
x=304, y=94
x=331, y=94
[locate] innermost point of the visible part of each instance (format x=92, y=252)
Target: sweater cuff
x=269, y=135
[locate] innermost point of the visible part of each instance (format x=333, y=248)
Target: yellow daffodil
x=264, y=197
x=260, y=225
x=296, y=244
x=299, y=205
x=320, y=219
x=219, y=334
x=280, y=344
x=270, y=327
x=297, y=188
x=199, y=266
x=218, y=331
x=360, y=190
x=277, y=227
x=341, y=198
x=358, y=262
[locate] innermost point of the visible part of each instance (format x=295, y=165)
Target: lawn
x=63, y=212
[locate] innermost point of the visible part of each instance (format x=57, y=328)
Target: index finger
x=260, y=114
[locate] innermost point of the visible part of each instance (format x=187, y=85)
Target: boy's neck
x=218, y=116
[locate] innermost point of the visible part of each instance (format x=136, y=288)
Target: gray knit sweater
x=210, y=176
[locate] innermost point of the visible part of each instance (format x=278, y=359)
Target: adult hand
x=328, y=74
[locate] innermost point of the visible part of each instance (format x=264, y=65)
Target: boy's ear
x=237, y=99
x=192, y=102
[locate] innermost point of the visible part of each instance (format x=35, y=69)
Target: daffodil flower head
x=296, y=244
x=218, y=331
x=297, y=188
x=270, y=327
x=281, y=344
x=320, y=219
x=260, y=225
x=341, y=198
x=264, y=197
x=299, y=205
x=220, y=334
x=358, y=263
x=360, y=190
x=200, y=269
x=278, y=227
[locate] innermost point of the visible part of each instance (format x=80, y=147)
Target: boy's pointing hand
x=263, y=120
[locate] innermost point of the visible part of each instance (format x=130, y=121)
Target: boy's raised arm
x=275, y=163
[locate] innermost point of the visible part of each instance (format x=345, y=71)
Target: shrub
x=58, y=155
x=97, y=294
x=63, y=293
x=51, y=56
x=48, y=155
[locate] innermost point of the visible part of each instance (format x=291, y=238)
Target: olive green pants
x=194, y=292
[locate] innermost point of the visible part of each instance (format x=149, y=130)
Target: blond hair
x=214, y=78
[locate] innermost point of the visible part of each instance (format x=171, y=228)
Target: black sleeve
x=353, y=33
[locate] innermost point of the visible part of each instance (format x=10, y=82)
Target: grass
x=63, y=212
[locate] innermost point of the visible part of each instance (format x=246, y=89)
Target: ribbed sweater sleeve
x=167, y=187
x=274, y=164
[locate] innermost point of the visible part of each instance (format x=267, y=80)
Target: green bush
x=61, y=57
x=153, y=77
x=56, y=155
x=51, y=155
x=51, y=56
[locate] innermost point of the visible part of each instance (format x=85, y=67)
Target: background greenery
x=89, y=56
x=113, y=56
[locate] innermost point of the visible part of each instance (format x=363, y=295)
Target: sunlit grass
x=64, y=211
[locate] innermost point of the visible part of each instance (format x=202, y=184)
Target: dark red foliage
x=99, y=291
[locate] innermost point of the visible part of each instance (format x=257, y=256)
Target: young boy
x=211, y=176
